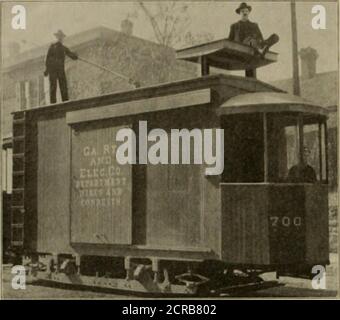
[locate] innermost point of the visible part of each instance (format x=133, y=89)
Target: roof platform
x=227, y=55
x=219, y=82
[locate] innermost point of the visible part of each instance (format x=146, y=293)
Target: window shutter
x=33, y=92
x=18, y=95
x=27, y=94
x=47, y=90
x=41, y=91
x=22, y=95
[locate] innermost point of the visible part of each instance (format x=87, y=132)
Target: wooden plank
x=226, y=54
x=229, y=60
x=164, y=252
x=212, y=47
x=101, y=189
x=174, y=205
x=191, y=98
x=53, y=186
x=173, y=196
x=317, y=232
x=207, y=48
x=245, y=224
x=287, y=223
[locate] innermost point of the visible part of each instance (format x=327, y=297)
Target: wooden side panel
x=30, y=181
x=174, y=193
x=245, y=224
x=317, y=237
x=287, y=223
x=211, y=214
x=53, y=186
x=101, y=188
x=211, y=199
x=174, y=101
x=6, y=223
x=173, y=206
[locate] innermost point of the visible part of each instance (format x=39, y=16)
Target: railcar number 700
x=285, y=221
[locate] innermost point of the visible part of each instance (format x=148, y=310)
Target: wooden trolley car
x=171, y=228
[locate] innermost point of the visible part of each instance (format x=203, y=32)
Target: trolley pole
x=134, y=83
x=296, y=81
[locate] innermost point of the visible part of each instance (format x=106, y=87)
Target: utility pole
x=1, y=137
x=296, y=81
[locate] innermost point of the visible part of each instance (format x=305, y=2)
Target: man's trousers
x=259, y=43
x=60, y=76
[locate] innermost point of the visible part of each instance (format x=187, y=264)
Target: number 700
x=285, y=221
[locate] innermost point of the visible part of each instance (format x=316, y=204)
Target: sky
x=45, y=18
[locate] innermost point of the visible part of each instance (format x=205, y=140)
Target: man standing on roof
x=249, y=33
x=55, y=67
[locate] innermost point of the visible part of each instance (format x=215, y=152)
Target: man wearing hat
x=55, y=67
x=249, y=33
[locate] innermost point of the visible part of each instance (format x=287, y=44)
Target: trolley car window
x=244, y=148
x=296, y=148
x=283, y=146
x=311, y=151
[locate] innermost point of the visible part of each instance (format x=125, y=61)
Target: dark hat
x=243, y=5
x=59, y=33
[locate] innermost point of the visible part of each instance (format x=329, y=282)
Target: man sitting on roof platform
x=249, y=33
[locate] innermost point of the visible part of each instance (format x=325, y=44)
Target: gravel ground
x=293, y=288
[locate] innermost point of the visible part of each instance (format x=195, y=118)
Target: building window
x=32, y=93
x=20, y=94
x=43, y=90
x=23, y=94
x=26, y=94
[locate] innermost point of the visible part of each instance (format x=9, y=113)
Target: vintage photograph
x=169, y=149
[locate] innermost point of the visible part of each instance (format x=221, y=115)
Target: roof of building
x=72, y=41
x=322, y=89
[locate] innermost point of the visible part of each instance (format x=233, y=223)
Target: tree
x=170, y=22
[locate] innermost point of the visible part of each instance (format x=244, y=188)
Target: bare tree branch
x=168, y=21
x=153, y=21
